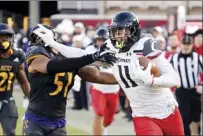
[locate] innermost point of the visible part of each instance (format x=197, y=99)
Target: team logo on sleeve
x=151, y=46
x=155, y=45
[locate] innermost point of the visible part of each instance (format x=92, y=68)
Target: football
x=143, y=61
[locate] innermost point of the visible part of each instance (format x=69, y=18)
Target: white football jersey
x=154, y=102
x=101, y=87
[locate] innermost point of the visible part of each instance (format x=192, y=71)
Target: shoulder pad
x=19, y=55
x=151, y=48
x=34, y=51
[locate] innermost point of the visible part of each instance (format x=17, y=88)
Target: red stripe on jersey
x=138, y=53
x=155, y=56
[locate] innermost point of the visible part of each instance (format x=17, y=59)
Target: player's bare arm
x=22, y=79
x=93, y=75
x=39, y=64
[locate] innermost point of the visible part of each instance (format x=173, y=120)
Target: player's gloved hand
x=25, y=103
x=105, y=55
x=145, y=76
x=45, y=34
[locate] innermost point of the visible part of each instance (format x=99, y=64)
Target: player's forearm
x=23, y=81
x=69, y=64
x=93, y=75
x=168, y=80
x=26, y=88
x=67, y=51
x=105, y=78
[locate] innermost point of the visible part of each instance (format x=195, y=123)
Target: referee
x=188, y=65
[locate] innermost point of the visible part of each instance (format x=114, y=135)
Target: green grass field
x=70, y=130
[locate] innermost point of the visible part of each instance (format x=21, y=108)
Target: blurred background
x=167, y=15
x=76, y=22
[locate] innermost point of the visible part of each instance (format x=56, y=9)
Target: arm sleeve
x=69, y=64
x=168, y=78
x=68, y=52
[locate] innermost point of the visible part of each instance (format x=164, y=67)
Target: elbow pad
x=69, y=64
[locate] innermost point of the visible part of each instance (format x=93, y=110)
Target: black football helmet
x=101, y=33
x=124, y=26
x=36, y=40
x=6, y=37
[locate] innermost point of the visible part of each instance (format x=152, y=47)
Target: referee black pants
x=190, y=106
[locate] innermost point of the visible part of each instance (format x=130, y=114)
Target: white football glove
x=45, y=34
x=25, y=103
x=144, y=76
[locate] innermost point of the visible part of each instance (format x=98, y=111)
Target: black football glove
x=105, y=55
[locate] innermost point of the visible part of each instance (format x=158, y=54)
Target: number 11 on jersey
x=125, y=76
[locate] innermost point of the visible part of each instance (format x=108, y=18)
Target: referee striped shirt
x=188, y=67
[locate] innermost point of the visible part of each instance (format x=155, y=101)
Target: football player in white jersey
x=104, y=97
x=154, y=108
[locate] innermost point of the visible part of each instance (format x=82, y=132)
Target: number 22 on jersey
x=4, y=76
x=60, y=84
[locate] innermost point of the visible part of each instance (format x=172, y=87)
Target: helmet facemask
x=36, y=40
x=6, y=41
x=123, y=37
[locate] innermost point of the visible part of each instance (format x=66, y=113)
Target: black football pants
x=189, y=102
x=8, y=117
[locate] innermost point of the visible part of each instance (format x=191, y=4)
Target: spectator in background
x=157, y=31
x=80, y=30
x=188, y=65
x=90, y=32
x=77, y=41
x=198, y=45
x=79, y=89
x=102, y=24
x=65, y=30
x=198, y=41
x=173, y=45
x=162, y=40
